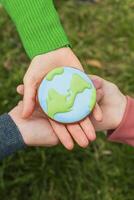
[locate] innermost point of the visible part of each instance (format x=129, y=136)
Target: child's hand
x=36, y=130
x=112, y=103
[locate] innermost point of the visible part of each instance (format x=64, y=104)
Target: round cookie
x=67, y=95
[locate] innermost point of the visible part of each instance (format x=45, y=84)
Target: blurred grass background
x=102, y=35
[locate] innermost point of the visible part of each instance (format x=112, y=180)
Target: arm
x=38, y=25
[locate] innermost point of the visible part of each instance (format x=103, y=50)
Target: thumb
x=97, y=81
x=29, y=99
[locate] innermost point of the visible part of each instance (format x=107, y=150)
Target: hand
x=36, y=131
x=82, y=132
x=112, y=103
x=38, y=68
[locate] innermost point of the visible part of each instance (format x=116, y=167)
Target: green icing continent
x=93, y=99
x=58, y=103
x=53, y=73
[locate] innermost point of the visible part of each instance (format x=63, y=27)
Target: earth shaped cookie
x=67, y=95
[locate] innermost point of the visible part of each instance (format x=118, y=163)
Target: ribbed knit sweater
x=38, y=25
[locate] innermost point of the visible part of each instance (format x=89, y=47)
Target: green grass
x=104, y=171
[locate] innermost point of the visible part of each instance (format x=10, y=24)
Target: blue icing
x=61, y=83
x=55, y=83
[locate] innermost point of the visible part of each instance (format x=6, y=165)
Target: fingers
x=88, y=129
x=98, y=82
x=20, y=89
x=82, y=133
x=63, y=134
x=27, y=111
x=100, y=95
x=97, y=113
x=78, y=135
x=20, y=103
x=29, y=99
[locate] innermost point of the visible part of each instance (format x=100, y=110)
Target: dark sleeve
x=10, y=137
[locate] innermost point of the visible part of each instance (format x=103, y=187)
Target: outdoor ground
x=102, y=36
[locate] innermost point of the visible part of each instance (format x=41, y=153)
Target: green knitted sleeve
x=38, y=25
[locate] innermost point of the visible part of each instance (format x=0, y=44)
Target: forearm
x=38, y=25
x=125, y=132
x=10, y=137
